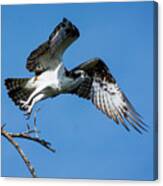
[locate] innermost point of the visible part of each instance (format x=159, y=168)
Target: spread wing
x=49, y=54
x=101, y=88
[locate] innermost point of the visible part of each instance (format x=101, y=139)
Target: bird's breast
x=50, y=78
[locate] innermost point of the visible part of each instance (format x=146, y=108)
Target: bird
x=91, y=80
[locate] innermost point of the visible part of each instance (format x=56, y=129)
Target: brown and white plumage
x=49, y=54
x=91, y=80
x=50, y=74
x=101, y=88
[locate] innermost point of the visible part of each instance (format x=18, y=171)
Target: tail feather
x=17, y=89
x=14, y=83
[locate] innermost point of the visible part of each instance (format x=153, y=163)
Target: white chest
x=50, y=78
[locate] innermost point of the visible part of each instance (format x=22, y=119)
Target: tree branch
x=25, y=135
x=20, y=151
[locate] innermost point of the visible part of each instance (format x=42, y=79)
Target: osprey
x=91, y=80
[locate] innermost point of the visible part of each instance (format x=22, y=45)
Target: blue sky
x=88, y=144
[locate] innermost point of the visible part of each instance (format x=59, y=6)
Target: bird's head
x=78, y=73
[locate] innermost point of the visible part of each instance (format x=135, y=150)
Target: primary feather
x=101, y=88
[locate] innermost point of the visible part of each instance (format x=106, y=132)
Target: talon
x=23, y=104
x=25, y=107
x=28, y=111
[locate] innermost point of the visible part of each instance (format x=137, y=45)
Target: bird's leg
x=35, y=127
x=34, y=130
x=36, y=99
x=25, y=104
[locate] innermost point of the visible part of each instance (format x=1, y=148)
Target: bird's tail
x=17, y=90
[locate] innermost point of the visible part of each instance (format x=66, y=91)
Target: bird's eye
x=79, y=73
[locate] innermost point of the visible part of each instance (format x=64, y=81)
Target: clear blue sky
x=88, y=144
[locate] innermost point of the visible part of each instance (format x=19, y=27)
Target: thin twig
x=25, y=135
x=20, y=151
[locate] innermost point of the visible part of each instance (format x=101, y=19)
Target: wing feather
x=106, y=95
x=49, y=54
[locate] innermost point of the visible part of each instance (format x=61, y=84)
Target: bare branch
x=20, y=151
x=28, y=136
x=25, y=135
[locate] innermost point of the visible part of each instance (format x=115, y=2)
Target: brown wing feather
x=101, y=88
x=49, y=54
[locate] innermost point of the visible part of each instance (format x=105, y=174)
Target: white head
x=80, y=74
